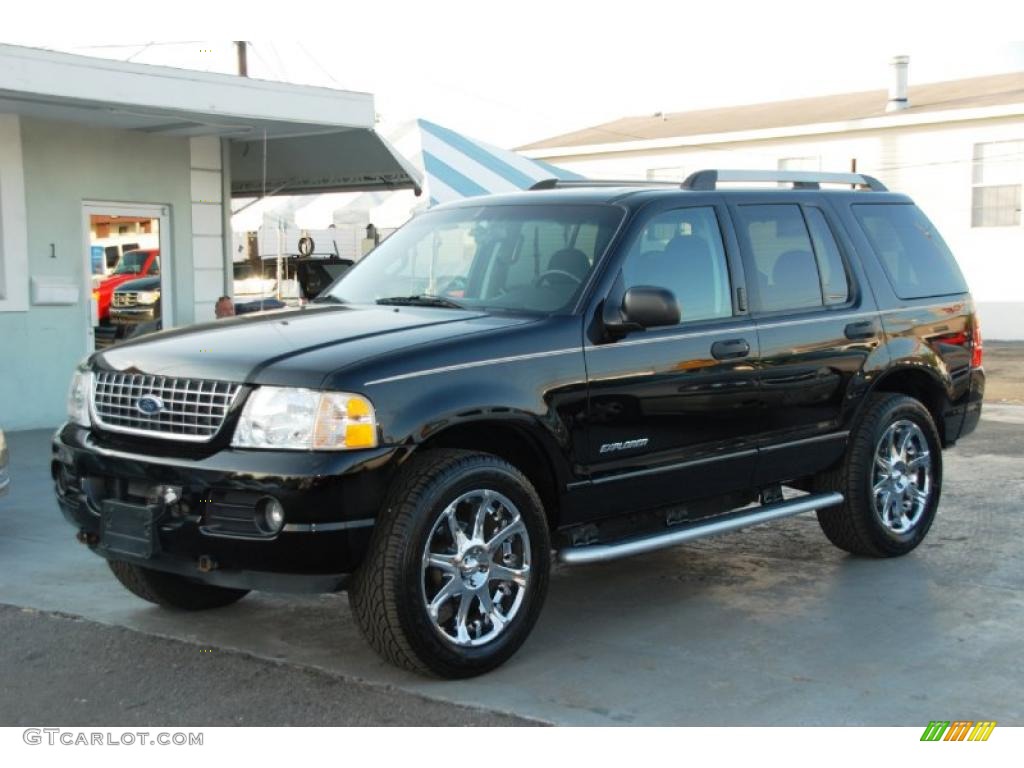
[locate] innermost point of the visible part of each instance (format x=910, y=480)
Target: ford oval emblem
x=149, y=405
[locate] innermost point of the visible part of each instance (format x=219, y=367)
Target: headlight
x=304, y=419
x=147, y=297
x=78, y=397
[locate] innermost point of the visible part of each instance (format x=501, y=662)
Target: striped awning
x=457, y=167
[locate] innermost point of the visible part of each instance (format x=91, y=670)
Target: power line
x=132, y=45
x=141, y=51
x=280, y=60
x=271, y=68
x=318, y=64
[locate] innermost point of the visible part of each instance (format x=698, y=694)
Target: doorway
x=127, y=260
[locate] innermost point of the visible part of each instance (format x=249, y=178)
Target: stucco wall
x=64, y=165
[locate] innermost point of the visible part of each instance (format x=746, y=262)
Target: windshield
x=131, y=263
x=532, y=258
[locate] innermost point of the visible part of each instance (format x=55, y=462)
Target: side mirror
x=636, y=308
x=644, y=306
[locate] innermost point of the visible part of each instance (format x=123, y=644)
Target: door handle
x=727, y=350
x=865, y=329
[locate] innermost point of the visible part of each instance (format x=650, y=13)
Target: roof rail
x=569, y=183
x=708, y=180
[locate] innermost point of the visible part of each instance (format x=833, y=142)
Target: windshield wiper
x=421, y=300
x=324, y=298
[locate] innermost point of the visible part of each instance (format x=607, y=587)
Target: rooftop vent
x=898, y=84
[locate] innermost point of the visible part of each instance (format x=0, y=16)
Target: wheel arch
x=923, y=385
x=514, y=442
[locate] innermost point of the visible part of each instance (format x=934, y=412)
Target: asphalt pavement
x=767, y=626
x=65, y=669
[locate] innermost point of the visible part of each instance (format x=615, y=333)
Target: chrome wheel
x=476, y=568
x=901, y=482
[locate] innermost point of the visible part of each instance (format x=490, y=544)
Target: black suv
x=586, y=370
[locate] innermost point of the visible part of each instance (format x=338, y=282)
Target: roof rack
x=569, y=183
x=708, y=180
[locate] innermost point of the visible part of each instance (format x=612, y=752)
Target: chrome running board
x=699, y=529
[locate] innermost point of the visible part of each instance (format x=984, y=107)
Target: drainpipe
x=898, y=84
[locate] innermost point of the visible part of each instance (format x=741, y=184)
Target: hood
x=293, y=347
x=114, y=281
x=141, y=284
x=111, y=282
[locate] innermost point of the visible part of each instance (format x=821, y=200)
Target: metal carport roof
x=317, y=139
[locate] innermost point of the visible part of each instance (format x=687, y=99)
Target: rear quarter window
x=915, y=258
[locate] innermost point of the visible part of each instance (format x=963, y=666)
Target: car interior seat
x=794, y=281
x=690, y=274
x=571, y=260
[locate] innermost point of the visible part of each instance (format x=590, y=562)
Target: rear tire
x=170, y=590
x=457, y=568
x=891, y=480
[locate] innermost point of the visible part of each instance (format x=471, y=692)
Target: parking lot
x=768, y=626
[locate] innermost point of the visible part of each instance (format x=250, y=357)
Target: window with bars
x=998, y=176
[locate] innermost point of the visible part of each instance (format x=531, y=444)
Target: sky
x=510, y=74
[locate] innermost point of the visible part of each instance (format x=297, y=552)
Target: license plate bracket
x=130, y=529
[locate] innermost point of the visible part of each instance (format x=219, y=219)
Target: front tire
x=891, y=480
x=170, y=590
x=457, y=568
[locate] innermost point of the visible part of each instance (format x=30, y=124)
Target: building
x=99, y=158
x=956, y=147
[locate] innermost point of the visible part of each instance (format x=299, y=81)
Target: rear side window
x=916, y=259
x=785, y=270
x=830, y=262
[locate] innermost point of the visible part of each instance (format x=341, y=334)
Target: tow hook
x=207, y=564
x=89, y=539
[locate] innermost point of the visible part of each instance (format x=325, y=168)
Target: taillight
x=977, y=347
x=956, y=339
x=966, y=339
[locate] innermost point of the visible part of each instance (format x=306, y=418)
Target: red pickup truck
x=133, y=264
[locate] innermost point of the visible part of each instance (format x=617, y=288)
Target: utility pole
x=243, y=58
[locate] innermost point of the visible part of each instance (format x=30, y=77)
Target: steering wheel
x=455, y=285
x=553, y=272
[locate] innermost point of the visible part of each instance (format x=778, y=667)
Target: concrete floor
x=767, y=626
x=1004, y=369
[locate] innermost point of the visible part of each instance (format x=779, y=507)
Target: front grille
x=126, y=299
x=192, y=409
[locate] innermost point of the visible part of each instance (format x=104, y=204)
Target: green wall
x=66, y=164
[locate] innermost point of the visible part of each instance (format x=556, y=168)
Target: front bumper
x=330, y=502
x=133, y=315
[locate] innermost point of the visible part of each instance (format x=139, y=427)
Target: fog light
x=270, y=514
x=168, y=494
x=66, y=482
